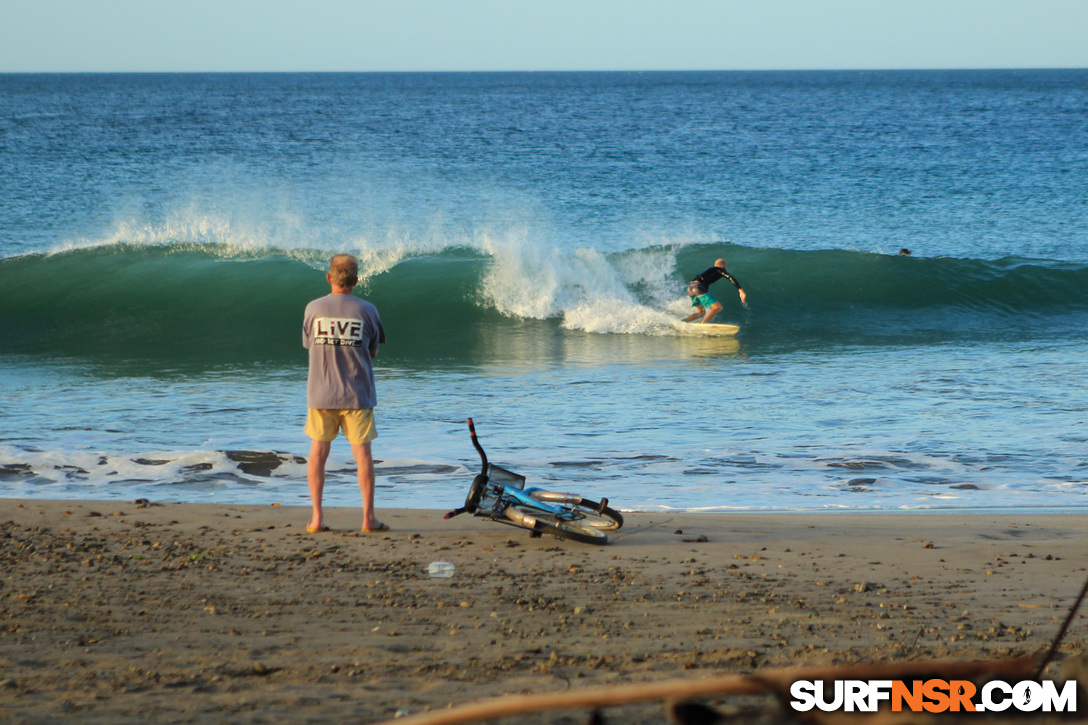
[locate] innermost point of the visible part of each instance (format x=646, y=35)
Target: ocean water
x=527, y=238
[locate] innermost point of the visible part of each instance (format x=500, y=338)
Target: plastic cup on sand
x=440, y=569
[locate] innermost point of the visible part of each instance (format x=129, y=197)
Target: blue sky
x=424, y=35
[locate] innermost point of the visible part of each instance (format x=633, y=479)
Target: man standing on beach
x=699, y=291
x=342, y=334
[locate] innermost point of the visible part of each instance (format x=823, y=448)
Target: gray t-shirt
x=340, y=331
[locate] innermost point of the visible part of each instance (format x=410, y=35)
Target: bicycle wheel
x=592, y=513
x=475, y=493
x=547, y=523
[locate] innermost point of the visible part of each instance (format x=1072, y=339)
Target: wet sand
x=140, y=612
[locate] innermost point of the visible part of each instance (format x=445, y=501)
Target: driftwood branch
x=1061, y=633
x=772, y=681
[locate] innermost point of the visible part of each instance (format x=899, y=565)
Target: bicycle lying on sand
x=500, y=495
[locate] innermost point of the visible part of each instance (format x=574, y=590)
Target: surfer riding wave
x=706, y=304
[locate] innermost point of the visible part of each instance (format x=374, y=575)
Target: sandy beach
x=145, y=612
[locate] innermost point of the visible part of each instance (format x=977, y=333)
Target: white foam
x=588, y=290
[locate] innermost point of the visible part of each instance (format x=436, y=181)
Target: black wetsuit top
x=711, y=275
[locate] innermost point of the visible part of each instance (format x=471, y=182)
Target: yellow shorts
x=358, y=425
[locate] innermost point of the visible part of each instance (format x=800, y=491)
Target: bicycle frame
x=509, y=496
x=500, y=495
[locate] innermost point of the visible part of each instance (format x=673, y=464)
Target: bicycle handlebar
x=479, y=448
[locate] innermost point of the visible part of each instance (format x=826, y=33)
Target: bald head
x=343, y=271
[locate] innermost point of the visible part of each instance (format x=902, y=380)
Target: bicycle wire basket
x=497, y=478
x=503, y=477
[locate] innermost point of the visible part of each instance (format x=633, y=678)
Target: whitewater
x=527, y=239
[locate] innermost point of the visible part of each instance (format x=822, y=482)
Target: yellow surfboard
x=708, y=328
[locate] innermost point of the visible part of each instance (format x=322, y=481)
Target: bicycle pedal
x=535, y=534
x=603, y=506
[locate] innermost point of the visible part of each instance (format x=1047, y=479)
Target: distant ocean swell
x=206, y=302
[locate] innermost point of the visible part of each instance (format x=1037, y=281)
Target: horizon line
x=550, y=70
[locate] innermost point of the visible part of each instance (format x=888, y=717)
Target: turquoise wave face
x=196, y=304
x=200, y=304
